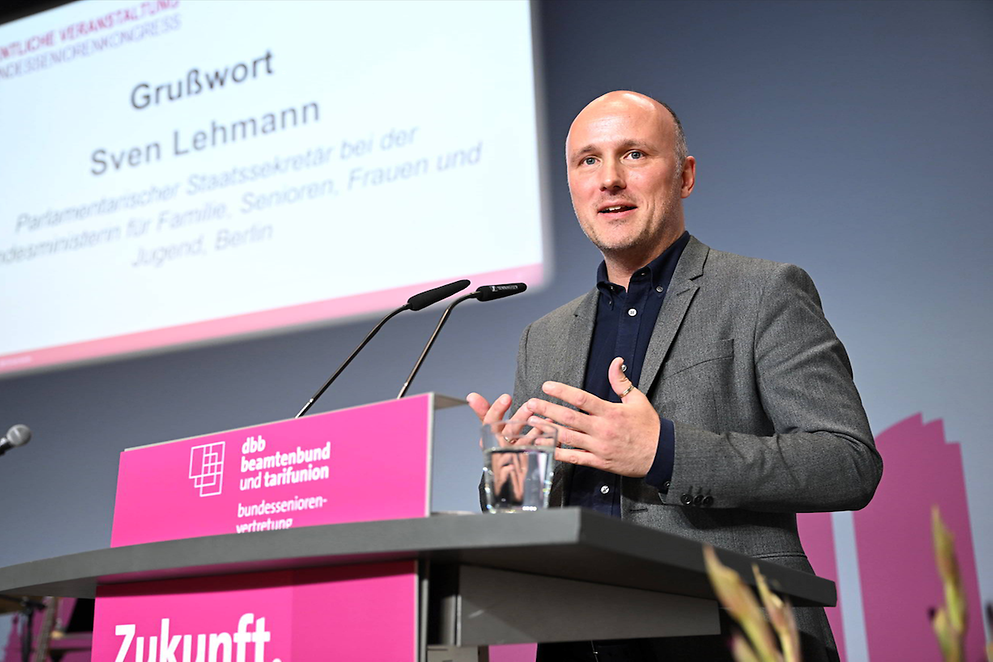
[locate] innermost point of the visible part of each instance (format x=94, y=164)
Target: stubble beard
x=650, y=234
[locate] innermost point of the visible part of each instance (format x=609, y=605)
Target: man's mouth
x=615, y=209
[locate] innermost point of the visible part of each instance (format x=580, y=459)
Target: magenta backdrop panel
x=899, y=578
x=361, y=464
x=364, y=613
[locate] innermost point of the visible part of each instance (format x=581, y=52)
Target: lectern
x=380, y=588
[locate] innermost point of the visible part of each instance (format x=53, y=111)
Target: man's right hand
x=488, y=413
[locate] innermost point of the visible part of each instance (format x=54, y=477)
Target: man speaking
x=699, y=392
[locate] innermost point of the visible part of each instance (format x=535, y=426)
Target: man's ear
x=688, y=176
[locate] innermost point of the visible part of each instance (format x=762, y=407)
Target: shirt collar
x=660, y=270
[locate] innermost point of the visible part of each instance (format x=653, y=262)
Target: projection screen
x=179, y=172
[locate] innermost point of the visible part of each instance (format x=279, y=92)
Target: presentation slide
x=178, y=171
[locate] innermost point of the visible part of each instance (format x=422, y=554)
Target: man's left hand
x=621, y=438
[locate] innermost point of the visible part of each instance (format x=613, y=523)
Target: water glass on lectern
x=518, y=465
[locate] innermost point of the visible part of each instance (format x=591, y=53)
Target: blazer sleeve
x=816, y=451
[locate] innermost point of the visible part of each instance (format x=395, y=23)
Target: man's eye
x=589, y=160
x=636, y=154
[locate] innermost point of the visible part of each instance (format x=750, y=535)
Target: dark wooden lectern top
x=567, y=543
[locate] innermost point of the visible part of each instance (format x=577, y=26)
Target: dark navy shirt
x=625, y=320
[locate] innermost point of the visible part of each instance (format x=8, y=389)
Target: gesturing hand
x=621, y=438
x=494, y=413
x=488, y=413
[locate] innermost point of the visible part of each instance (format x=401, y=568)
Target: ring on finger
x=626, y=391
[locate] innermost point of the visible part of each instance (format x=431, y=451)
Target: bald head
x=628, y=174
x=626, y=101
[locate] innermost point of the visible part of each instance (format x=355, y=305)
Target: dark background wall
x=851, y=138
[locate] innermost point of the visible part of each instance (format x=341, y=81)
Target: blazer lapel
x=677, y=302
x=577, y=346
x=572, y=366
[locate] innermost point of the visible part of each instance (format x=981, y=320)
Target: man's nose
x=613, y=177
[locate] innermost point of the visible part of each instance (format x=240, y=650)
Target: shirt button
x=632, y=312
x=604, y=489
x=660, y=289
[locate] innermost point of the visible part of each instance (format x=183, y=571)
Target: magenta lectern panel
x=362, y=464
x=364, y=613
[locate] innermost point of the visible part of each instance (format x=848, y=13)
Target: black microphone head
x=491, y=292
x=18, y=435
x=425, y=299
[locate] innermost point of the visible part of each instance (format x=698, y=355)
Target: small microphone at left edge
x=18, y=435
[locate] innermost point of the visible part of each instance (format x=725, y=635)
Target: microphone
x=416, y=302
x=434, y=295
x=491, y=292
x=17, y=435
x=484, y=293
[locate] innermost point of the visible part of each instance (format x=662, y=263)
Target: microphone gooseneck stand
x=484, y=293
x=416, y=302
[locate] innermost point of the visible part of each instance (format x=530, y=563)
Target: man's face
x=625, y=182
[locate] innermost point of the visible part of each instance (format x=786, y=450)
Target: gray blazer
x=767, y=419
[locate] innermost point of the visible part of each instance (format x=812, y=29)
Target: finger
x=497, y=409
x=487, y=413
x=576, y=397
x=559, y=414
x=478, y=404
x=619, y=382
x=578, y=457
x=515, y=428
x=576, y=439
x=522, y=414
x=515, y=475
x=517, y=480
x=543, y=432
